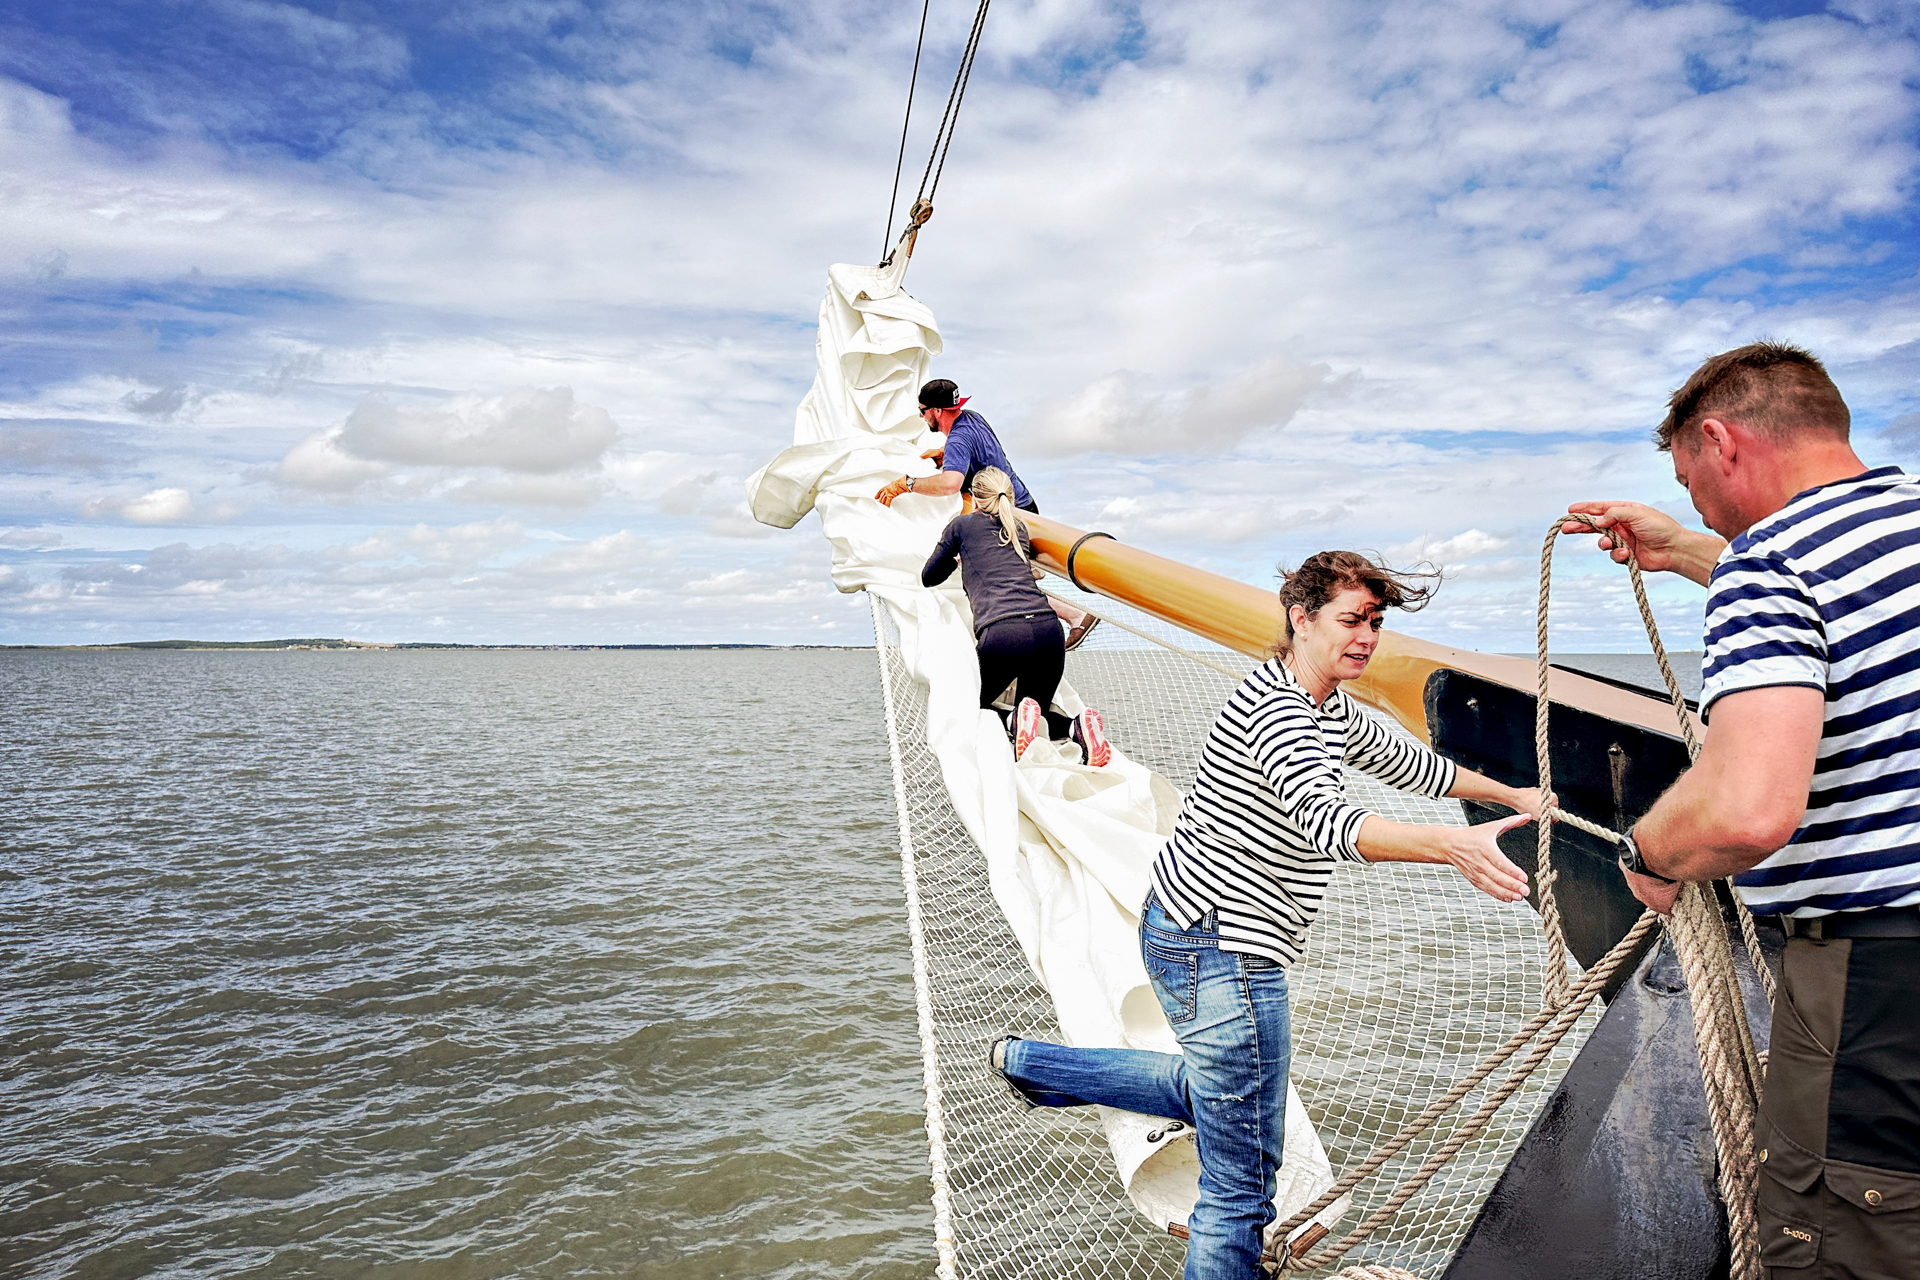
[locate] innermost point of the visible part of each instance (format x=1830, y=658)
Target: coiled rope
x=1729, y=1066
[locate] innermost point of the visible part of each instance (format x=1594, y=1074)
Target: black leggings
x=1032, y=652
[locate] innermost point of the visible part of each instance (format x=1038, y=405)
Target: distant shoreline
x=326, y=645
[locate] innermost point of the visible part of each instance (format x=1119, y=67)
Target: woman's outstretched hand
x=1476, y=852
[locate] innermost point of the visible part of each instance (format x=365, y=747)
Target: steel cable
x=899, y=161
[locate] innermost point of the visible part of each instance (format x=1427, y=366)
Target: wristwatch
x=909, y=484
x=1630, y=860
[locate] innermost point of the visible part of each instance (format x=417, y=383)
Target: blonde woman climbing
x=970, y=448
x=1014, y=628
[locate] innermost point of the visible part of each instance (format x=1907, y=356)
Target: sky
x=418, y=322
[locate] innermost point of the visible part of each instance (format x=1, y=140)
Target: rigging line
x=943, y=136
x=893, y=201
x=966, y=74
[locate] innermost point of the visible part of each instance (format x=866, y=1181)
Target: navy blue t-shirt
x=972, y=447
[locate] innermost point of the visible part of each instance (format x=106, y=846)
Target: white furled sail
x=1023, y=883
x=1066, y=848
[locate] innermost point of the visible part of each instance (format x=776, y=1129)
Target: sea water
x=454, y=964
x=457, y=964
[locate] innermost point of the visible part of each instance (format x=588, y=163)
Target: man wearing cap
x=971, y=445
x=970, y=448
x=1807, y=791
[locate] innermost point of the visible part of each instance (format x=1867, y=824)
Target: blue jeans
x=1229, y=1081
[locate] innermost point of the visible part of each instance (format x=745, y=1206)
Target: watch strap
x=1632, y=861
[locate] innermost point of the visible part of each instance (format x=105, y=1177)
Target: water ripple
x=453, y=965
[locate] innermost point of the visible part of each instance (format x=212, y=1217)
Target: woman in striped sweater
x=1238, y=884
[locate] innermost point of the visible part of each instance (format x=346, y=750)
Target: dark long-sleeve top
x=1268, y=816
x=998, y=582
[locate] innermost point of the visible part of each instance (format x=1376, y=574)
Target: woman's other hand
x=1527, y=800
x=1475, y=851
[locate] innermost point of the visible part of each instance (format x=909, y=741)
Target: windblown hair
x=1780, y=390
x=1323, y=576
x=993, y=494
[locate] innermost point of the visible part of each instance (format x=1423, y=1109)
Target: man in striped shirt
x=1807, y=791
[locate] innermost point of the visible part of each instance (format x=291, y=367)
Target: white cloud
x=612, y=553
x=1349, y=276
x=462, y=544
x=176, y=567
x=156, y=506
x=537, y=491
x=533, y=429
x=1119, y=413
x=1451, y=553
x=537, y=436
x=320, y=464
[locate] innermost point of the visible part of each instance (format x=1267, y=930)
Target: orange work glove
x=891, y=490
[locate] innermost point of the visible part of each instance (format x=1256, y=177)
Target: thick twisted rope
x=1729, y=1066
x=1748, y=932
x=1556, y=1023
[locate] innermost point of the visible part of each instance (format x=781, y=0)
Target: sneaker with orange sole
x=1028, y=724
x=1090, y=731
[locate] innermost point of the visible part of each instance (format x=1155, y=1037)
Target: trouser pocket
x=1175, y=974
x=1843, y=1219
x=1873, y=1221
x=1789, y=1204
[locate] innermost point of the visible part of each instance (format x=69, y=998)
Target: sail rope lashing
x=900, y=160
x=1731, y=1070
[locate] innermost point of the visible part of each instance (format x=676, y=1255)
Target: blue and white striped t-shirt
x=1825, y=593
x=1268, y=815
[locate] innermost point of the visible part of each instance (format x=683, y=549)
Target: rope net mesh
x=1411, y=977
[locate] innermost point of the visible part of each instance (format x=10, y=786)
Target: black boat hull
x=1615, y=1179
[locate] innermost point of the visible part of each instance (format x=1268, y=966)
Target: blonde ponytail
x=993, y=493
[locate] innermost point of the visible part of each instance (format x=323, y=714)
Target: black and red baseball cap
x=941, y=393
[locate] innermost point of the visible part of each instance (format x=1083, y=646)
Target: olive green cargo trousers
x=1839, y=1132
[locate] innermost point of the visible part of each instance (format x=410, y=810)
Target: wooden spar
x=1246, y=619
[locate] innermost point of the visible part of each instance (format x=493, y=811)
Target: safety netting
x=1410, y=979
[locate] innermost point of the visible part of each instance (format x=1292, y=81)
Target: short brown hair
x=1325, y=575
x=1770, y=386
